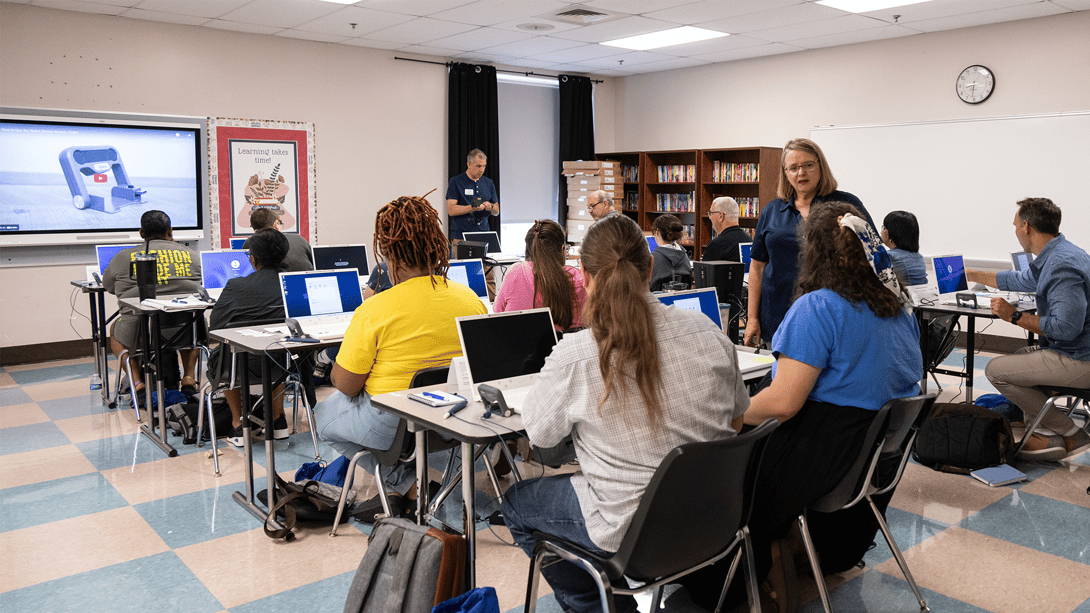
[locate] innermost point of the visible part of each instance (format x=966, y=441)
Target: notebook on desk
x=470, y=273
x=507, y=350
x=337, y=257
x=322, y=301
x=219, y=267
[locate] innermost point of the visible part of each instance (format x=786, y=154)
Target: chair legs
x=1049, y=405
x=605, y=590
x=819, y=578
x=206, y=401
x=298, y=394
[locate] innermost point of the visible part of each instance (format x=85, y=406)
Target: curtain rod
x=449, y=64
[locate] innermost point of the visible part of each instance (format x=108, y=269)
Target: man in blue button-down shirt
x=1060, y=275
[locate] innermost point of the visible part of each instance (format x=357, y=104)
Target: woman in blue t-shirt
x=901, y=233
x=846, y=346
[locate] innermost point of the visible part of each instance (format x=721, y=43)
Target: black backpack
x=182, y=419
x=959, y=438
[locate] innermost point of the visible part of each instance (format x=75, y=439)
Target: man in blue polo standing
x=471, y=198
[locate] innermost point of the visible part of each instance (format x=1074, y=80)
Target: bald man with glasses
x=600, y=205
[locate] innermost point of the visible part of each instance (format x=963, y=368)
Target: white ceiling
x=487, y=31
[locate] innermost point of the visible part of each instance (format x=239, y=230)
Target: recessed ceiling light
x=866, y=6
x=665, y=38
x=535, y=27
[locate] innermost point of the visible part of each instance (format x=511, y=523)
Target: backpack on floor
x=959, y=438
x=407, y=568
x=182, y=419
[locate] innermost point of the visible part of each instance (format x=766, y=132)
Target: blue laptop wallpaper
x=704, y=300
x=219, y=267
x=950, y=272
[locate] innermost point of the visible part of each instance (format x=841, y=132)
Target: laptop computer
x=237, y=243
x=743, y=254
x=470, y=273
x=105, y=253
x=492, y=239
x=950, y=274
x=1021, y=260
x=507, y=350
x=321, y=301
x=652, y=244
x=704, y=300
x=336, y=257
x=219, y=267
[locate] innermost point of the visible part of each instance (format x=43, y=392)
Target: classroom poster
x=260, y=164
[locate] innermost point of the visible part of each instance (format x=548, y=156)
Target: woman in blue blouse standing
x=805, y=180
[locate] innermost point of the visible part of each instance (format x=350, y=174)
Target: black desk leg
x=97, y=342
x=153, y=369
x=104, y=347
x=921, y=321
x=970, y=349
x=469, y=513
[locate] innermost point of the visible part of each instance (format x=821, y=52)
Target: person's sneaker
x=236, y=437
x=1044, y=448
x=280, y=428
x=1076, y=442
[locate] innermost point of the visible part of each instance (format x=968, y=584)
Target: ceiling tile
x=535, y=46
x=622, y=60
x=820, y=27
x=941, y=8
x=366, y=20
x=709, y=10
x=420, y=30
x=640, y=7
x=557, y=26
x=1075, y=5
x=315, y=36
x=417, y=8
x=236, y=26
x=855, y=36
x=629, y=26
x=164, y=17
x=374, y=44
x=750, y=52
x=492, y=12
x=523, y=62
x=671, y=64
x=480, y=38
x=196, y=8
x=773, y=18
x=280, y=13
x=82, y=7
x=1014, y=13
x=430, y=51
x=734, y=41
x=124, y=3
x=577, y=54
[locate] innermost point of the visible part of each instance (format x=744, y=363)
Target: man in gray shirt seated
x=1060, y=275
x=300, y=255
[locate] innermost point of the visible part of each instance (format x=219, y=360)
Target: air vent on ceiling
x=582, y=16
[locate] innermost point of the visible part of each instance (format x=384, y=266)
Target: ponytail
x=545, y=248
x=616, y=257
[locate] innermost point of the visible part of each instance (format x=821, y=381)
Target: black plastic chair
x=889, y=439
x=1056, y=394
x=665, y=540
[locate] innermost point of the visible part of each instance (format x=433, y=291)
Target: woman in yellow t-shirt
x=393, y=334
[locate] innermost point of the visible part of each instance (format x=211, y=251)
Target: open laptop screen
x=704, y=300
x=743, y=253
x=219, y=267
x=1021, y=260
x=320, y=292
x=336, y=257
x=950, y=273
x=237, y=243
x=105, y=253
x=652, y=244
x=505, y=345
x=492, y=239
x=471, y=274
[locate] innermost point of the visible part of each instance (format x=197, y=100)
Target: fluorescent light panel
x=665, y=38
x=866, y=6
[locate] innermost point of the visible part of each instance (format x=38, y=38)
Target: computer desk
x=153, y=369
x=96, y=295
x=255, y=340
x=971, y=315
x=471, y=431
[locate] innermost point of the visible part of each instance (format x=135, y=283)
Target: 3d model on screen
x=95, y=164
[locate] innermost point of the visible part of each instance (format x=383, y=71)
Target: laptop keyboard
x=330, y=326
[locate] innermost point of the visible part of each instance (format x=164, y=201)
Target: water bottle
x=96, y=391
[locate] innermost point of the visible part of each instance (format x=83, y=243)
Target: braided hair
x=407, y=232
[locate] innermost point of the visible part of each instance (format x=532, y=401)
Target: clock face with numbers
x=975, y=84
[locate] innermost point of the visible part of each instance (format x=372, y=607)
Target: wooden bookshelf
x=630, y=165
x=754, y=180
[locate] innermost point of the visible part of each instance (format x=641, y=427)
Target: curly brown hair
x=615, y=255
x=407, y=232
x=833, y=258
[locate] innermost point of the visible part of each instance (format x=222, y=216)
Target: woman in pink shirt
x=544, y=280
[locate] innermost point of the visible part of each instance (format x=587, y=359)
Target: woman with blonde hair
x=605, y=387
x=544, y=280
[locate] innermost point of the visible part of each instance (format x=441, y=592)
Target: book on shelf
x=630, y=173
x=677, y=173
x=749, y=207
x=729, y=172
x=631, y=201
x=675, y=203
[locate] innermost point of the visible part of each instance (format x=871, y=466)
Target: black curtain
x=576, y=128
x=474, y=121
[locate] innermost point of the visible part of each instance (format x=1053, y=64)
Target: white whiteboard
x=962, y=178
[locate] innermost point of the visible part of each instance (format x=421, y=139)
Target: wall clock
x=975, y=84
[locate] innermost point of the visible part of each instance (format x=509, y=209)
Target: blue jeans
x=549, y=504
x=350, y=425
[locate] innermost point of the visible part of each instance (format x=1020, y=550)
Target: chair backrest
x=889, y=437
x=436, y=375
x=698, y=499
x=403, y=443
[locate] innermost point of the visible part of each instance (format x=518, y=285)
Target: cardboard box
x=594, y=180
x=578, y=214
x=589, y=165
x=577, y=230
x=613, y=191
x=596, y=172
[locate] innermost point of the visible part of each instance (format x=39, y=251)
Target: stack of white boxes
x=584, y=178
